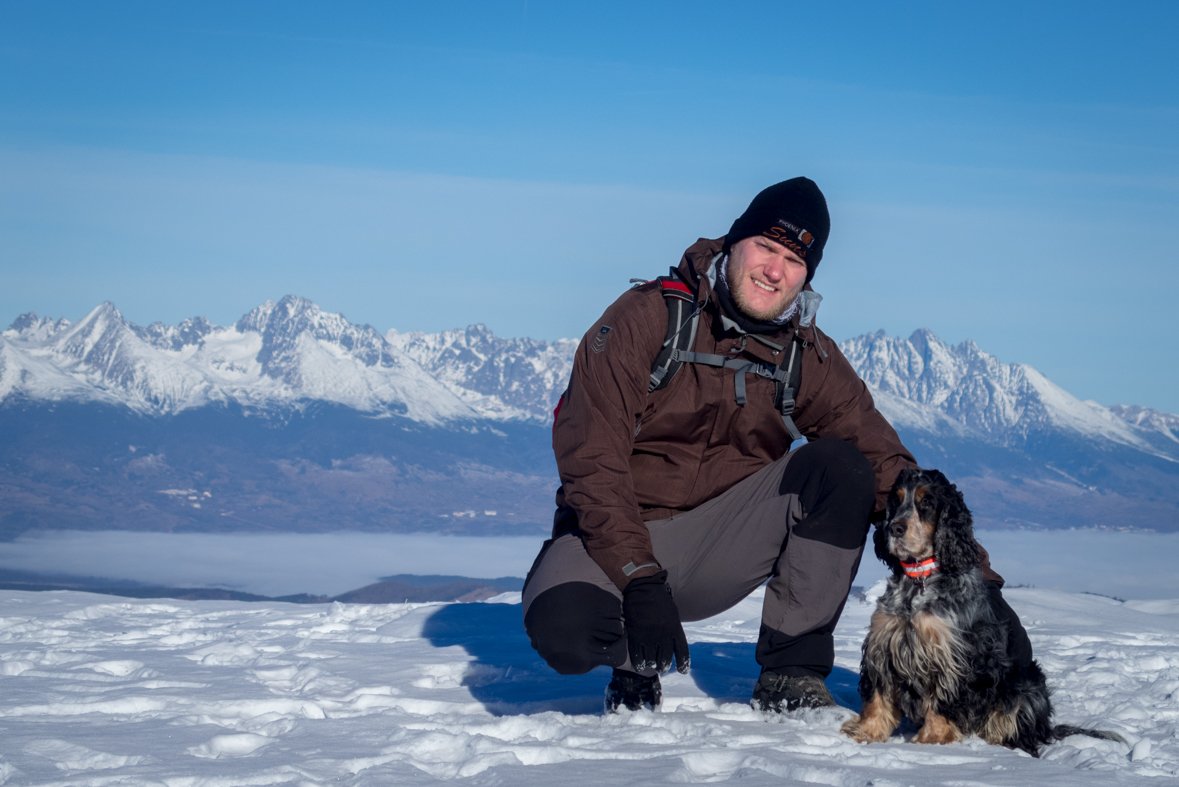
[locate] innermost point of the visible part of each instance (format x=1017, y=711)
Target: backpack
x=683, y=318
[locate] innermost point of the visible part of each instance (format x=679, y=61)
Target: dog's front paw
x=938, y=729
x=852, y=729
x=879, y=718
x=863, y=730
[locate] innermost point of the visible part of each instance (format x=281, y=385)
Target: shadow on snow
x=508, y=677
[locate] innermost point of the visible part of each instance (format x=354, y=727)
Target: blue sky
x=1002, y=172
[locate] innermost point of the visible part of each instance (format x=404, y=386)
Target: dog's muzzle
x=897, y=528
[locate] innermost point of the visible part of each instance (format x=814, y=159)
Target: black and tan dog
x=936, y=652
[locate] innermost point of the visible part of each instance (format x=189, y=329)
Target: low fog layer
x=270, y=565
x=1122, y=564
x=1112, y=563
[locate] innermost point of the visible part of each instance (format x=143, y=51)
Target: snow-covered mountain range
x=1028, y=452
x=923, y=383
x=289, y=353
x=282, y=355
x=498, y=378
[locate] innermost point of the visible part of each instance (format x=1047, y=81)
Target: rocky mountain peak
x=94, y=338
x=1162, y=428
x=517, y=378
x=255, y=320
x=31, y=328
x=286, y=326
x=189, y=333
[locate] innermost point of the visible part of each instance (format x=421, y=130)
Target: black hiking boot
x=784, y=693
x=632, y=691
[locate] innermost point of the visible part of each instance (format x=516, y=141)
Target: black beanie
x=793, y=213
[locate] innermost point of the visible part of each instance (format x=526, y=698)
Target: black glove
x=653, y=630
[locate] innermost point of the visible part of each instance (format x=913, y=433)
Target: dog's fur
x=935, y=651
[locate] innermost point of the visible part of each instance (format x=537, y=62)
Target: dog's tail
x=1062, y=731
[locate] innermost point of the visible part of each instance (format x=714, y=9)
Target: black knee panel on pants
x=576, y=627
x=836, y=488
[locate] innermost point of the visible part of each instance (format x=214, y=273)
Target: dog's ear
x=892, y=502
x=953, y=542
x=880, y=535
x=880, y=544
x=904, y=477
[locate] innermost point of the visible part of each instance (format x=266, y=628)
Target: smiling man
x=766, y=277
x=680, y=494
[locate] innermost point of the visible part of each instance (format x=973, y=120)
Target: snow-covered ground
x=98, y=690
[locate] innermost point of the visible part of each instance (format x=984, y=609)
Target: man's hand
x=653, y=631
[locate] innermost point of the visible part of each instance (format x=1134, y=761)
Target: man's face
x=764, y=277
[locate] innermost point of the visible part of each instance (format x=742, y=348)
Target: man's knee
x=830, y=464
x=575, y=627
x=835, y=484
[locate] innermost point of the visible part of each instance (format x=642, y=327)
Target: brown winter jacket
x=626, y=457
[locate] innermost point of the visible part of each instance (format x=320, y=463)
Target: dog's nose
x=897, y=528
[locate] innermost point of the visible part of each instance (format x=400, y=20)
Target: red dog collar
x=922, y=570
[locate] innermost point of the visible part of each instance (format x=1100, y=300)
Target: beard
x=779, y=312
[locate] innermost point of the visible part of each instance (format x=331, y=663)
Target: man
x=679, y=499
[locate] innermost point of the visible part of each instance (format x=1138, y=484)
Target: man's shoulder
x=641, y=311
x=641, y=306
x=631, y=330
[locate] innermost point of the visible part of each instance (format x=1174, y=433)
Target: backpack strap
x=683, y=318
x=786, y=380
x=787, y=389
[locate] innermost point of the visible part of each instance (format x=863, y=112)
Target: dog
x=935, y=651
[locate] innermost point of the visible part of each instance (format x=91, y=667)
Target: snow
x=906, y=413
x=100, y=691
x=1165, y=424
x=40, y=378
x=1084, y=417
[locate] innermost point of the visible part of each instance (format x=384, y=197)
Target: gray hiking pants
x=800, y=522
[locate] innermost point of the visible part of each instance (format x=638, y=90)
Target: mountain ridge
x=404, y=421
x=1000, y=402
x=288, y=352
x=277, y=355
